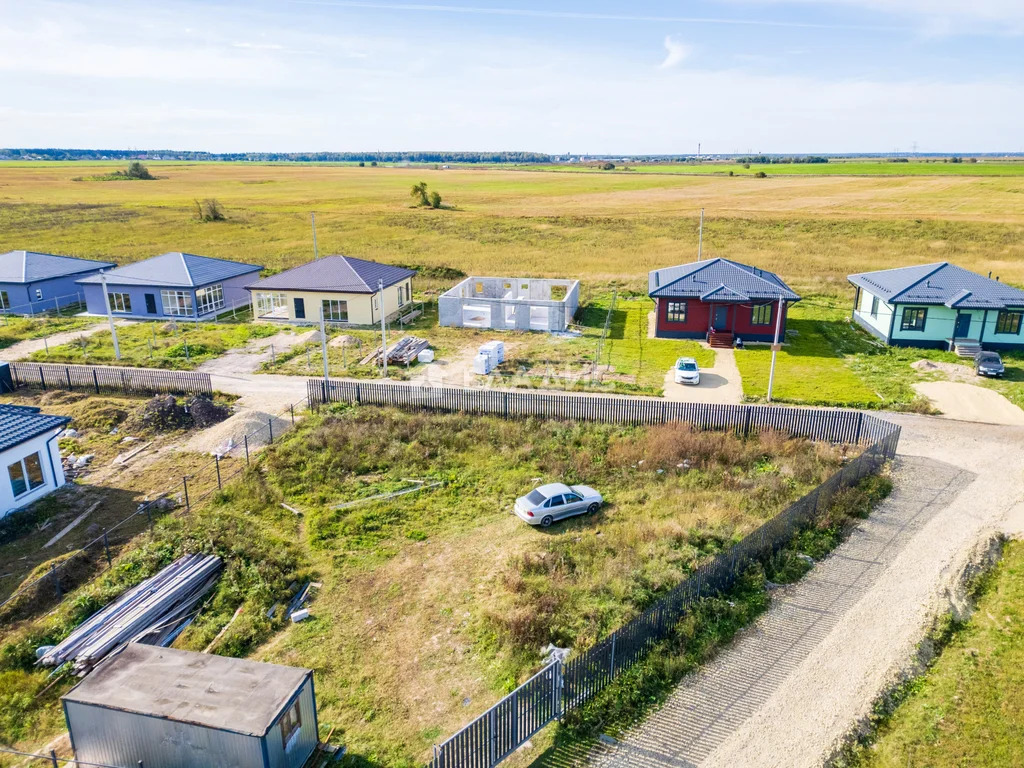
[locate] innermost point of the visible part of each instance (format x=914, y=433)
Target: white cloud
x=675, y=52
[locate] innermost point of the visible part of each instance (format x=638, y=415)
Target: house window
x=177, y=302
x=401, y=295
x=408, y=292
x=271, y=305
x=375, y=302
x=4, y=302
x=761, y=314
x=291, y=723
x=874, y=306
x=914, y=318
x=335, y=311
x=1008, y=322
x=26, y=475
x=120, y=302
x=210, y=298
x=675, y=311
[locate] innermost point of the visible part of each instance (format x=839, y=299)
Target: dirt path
x=720, y=383
x=790, y=687
x=969, y=402
x=25, y=348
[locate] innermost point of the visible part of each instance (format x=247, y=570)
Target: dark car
x=988, y=364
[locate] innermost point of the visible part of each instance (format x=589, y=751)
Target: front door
x=963, y=327
x=151, y=303
x=721, y=318
x=300, y=309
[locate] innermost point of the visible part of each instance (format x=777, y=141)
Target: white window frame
x=270, y=304
x=120, y=302
x=209, y=299
x=176, y=303
x=23, y=467
x=401, y=293
x=39, y=294
x=333, y=310
x=5, y=300
x=292, y=720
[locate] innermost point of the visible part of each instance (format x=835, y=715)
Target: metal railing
x=560, y=687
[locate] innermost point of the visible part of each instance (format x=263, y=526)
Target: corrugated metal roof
x=30, y=266
x=719, y=277
x=204, y=689
x=19, y=423
x=176, y=269
x=940, y=283
x=336, y=274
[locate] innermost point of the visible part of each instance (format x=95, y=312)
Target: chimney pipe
x=990, y=274
x=997, y=278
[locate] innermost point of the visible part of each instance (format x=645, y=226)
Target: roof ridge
x=938, y=266
x=188, y=272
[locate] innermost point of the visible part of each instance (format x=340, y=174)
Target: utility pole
x=323, y=340
x=775, y=348
x=110, y=316
x=316, y=254
x=383, y=330
x=700, y=236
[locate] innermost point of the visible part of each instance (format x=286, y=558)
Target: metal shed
x=180, y=709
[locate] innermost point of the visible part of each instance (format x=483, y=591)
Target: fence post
x=56, y=579
x=557, y=703
x=358, y=398
x=216, y=462
x=106, y=547
x=292, y=409
x=860, y=423
x=53, y=759
x=67, y=373
x=42, y=379
x=95, y=381
x=491, y=737
x=245, y=439
x=611, y=671
x=149, y=517
x=184, y=482
x=270, y=424
x=746, y=426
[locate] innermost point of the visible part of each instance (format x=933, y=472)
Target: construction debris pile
x=155, y=612
x=402, y=352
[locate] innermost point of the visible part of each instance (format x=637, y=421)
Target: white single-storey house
x=939, y=306
x=29, y=455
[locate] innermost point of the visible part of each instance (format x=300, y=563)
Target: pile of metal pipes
x=154, y=612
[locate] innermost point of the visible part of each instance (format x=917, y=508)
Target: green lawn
x=180, y=346
x=968, y=709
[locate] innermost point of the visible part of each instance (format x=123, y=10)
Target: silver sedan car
x=542, y=506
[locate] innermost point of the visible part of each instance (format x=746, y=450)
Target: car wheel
x=546, y=521
x=593, y=508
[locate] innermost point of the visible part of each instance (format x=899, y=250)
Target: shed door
x=151, y=303
x=300, y=309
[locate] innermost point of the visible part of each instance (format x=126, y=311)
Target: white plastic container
x=426, y=356
x=495, y=350
x=482, y=364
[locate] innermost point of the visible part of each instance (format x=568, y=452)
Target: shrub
x=209, y=210
x=761, y=175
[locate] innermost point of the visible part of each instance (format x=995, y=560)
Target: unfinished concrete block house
x=719, y=300
x=510, y=304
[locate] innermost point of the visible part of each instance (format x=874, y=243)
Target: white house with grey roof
x=172, y=285
x=32, y=282
x=29, y=455
x=345, y=289
x=939, y=306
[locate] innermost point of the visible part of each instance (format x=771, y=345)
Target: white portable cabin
x=180, y=709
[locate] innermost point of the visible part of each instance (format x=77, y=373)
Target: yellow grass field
x=600, y=228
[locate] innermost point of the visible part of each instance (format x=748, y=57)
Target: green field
x=936, y=167
x=968, y=709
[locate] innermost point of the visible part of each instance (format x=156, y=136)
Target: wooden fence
x=110, y=378
x=827, y=425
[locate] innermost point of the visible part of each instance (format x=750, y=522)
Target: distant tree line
x=774, y=159
x=301, y=157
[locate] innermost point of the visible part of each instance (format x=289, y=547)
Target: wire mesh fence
x=53, y=761
x=561, y=687
x=65, y=305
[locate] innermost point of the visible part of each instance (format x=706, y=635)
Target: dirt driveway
x=790, y=687
x=969, y=402
x=719, y=384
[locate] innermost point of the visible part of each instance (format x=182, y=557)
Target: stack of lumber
x=154, y=612
x=402, y=352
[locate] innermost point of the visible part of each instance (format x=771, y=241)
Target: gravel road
x=788, y=690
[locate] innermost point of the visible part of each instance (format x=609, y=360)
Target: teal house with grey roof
x=939, y=306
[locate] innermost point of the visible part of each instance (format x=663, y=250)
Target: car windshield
x=687, y=366
x=989, y=359
x=536, y=497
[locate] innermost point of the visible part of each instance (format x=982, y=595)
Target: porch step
x=722, y=339
x=966, y=347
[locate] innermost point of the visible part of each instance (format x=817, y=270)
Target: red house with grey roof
x=719, y=300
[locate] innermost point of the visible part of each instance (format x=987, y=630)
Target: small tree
x=209, y=210
x=761, y=175
x=419, y=191
x=608, y=166
x=373, y=163
x=435, y=199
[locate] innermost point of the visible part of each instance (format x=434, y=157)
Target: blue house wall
x=22, y=298
x=233, y=287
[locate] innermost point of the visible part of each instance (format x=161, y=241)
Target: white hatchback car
x=542, y=506
x=686, y=371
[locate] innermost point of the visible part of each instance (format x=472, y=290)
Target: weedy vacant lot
x=437, y=602
x=14, y=329
x=968, y=709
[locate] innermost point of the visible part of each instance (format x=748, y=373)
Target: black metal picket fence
x=827, y=425
x=102, y=378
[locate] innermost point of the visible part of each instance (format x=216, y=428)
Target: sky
x=597, y=77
